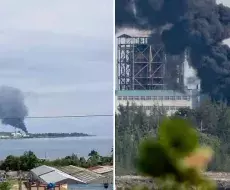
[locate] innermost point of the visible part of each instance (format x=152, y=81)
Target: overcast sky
x=60, y=54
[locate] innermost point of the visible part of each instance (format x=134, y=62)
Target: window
x=119, y=98
x=184, y=97
x=130, y=97
x=172, y=97
x=178, y=97
x=148, y=98
x=142, y=97
x=154, y=97
x=160, y=98
x=136, y=98
x=124, y=97
x=166, y=97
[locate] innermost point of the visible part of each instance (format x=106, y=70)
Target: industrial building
x=148, y=77
x=167, y=100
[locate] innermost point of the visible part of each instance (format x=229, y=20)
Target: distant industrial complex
x=15, y=135
x=148, y=77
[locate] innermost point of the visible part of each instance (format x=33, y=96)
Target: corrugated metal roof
x=148, y=93
x=42, y=170
x=102, y=169
x=83, y=174
x=53, y=175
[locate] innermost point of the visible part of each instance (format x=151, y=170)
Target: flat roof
x=149, y=93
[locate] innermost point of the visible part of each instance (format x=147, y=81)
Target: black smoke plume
x=12, y=108
x=199, y=26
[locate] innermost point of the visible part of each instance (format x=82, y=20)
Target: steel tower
x=140, y=65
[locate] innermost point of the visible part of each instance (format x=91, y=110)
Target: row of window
x=167, y=108
x=153, y=97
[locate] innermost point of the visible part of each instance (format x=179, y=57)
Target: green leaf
x=153, y=159
x=178, y=137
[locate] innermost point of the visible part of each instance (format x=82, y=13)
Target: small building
x=46, y=174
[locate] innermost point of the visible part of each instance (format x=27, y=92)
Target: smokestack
x=12, y=108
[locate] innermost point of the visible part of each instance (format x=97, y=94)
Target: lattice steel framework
x=141, y=66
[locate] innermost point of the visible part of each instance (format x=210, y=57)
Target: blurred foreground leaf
x=178, y=137
x=175, y=158
x=154, y=160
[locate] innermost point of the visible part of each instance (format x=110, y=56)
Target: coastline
x=46, y=136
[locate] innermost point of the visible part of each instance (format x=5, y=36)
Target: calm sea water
x=56, y=148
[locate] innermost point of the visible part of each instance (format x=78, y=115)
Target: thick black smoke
x=197, y=25
x=12, y=108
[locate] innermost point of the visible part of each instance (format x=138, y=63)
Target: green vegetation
x=29, y=161
x=211, y=120
x=5, y=186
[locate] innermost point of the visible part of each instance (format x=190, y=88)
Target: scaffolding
x=141, y=66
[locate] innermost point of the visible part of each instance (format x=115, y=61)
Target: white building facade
x=169, y=100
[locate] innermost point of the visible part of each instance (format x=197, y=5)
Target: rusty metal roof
x=102, y=169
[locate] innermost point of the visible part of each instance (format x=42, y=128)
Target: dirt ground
x=222, y=179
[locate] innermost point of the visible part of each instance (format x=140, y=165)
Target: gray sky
x=60, y=54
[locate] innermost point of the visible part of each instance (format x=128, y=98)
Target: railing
x=37, y=186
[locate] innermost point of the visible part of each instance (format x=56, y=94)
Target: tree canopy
x=132, y=125
x=29, y=160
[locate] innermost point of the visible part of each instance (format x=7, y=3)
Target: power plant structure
x=141, y=66
x=147, y=76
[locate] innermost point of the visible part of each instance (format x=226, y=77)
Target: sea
x=53, y=148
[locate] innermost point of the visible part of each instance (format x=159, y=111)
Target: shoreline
x=105, y=137
x=46, y=136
